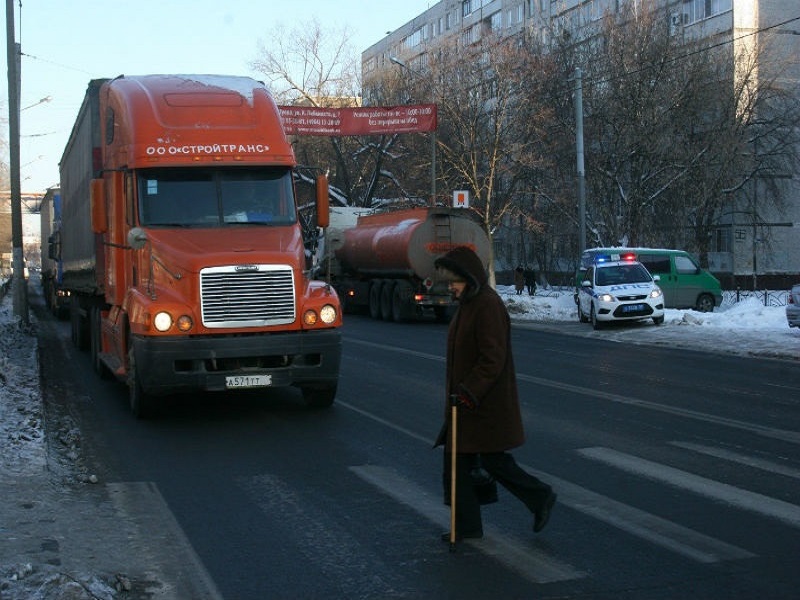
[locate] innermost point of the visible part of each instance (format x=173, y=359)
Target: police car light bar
x=601, y=258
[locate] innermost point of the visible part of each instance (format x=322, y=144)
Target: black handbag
x=483, y=482
x=485, y=485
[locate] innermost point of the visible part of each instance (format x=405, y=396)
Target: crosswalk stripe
x=758, y=503
x=530, y=563
x=741, y=459
x=671, y=536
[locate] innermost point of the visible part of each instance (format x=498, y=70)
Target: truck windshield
x=216, y=197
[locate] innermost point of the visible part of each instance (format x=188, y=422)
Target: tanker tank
x=385, y=260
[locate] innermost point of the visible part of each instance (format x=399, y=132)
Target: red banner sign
x=369, y=120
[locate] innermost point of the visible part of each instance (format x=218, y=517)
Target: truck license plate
x=247, y=381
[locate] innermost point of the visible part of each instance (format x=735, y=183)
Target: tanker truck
x=181, y=245
x=382, y=261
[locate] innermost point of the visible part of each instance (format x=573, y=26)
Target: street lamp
x=42, y=101
x=403, y=65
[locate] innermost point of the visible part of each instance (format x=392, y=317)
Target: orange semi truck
x=181, y=244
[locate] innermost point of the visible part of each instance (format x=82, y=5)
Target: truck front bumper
x=173, y=365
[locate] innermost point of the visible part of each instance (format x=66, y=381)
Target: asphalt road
x=678, y=474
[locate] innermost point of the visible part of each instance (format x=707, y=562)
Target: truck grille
x=247, y=295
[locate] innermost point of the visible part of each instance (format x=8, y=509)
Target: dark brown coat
x=480, y=363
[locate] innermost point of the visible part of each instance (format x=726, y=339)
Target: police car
x=617, y=288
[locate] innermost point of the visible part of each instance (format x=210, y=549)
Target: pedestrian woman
x=519, y=280
x=530, y=281
x=480, y=377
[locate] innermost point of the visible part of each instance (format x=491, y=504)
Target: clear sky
x=65, y=43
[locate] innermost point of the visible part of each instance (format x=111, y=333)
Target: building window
x=515, y=15
x=466, y=8
x=723, y=240
x=496, y=22
x=414, y=39
x=697, y=10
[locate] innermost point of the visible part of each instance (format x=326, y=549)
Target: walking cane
x=453, y=427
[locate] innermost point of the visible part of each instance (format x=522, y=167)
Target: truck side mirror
x=323, y=208
x=137, y=237
x=97, y=198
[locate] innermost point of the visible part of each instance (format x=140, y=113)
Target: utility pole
x=18, y=283
x=579, y=152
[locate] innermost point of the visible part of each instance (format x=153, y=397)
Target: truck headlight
x=327, y=314
x=162, y=321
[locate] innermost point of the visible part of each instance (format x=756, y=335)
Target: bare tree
x=313, y=66
x=491, y=132
x=676, y=130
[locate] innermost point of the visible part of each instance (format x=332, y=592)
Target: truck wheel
x=96, y=345
x=319, y=397
x=402, y=303
x=705, y=303
x=78, y=326
x=375, y=300
x=442, y=314
x=142, y=403
x=387, y=294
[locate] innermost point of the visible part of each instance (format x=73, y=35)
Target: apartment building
x=767, y=244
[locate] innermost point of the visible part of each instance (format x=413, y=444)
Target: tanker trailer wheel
x=375, y=299
x=79, y=329
x=387, y=294
x=319, y=397
x=403, y=302
x=96, y=344
x=142, y=404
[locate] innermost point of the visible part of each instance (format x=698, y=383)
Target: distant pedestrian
x=519, y=280
x=530, y=281
x=481, y=379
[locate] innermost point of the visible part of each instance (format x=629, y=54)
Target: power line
x=52, y=62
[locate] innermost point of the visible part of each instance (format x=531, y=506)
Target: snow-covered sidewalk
x=63, y=534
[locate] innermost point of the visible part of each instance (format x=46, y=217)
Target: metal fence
x=765, y=297
x=729, y=297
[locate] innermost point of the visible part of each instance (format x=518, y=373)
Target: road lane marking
x=742, y=459
x=532, y=564
x=770, y=432
x=751, y=501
